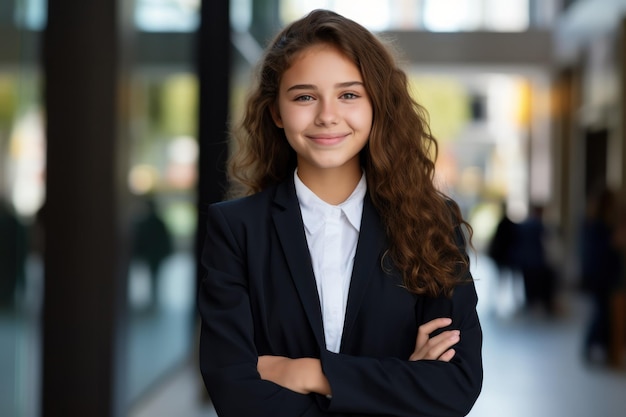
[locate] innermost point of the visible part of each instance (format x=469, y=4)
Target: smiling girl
x=340, y=285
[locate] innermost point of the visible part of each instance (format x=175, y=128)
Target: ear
x=276, y=116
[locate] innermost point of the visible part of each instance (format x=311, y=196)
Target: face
x=325, y=111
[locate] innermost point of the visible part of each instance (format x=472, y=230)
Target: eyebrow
x=313, y=87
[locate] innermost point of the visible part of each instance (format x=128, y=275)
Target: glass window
x=22, y=193
x=240, y=15
x=374, y=14
x=21, y=196
x=167, y=15
x=451, y=15
x=473, y=15
x=162, y=182
x=31, y=14
x=506, y=16
x=431, y=15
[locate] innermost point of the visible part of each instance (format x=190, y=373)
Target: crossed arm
x=305, y=375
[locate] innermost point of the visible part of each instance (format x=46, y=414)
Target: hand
x=437, y=347
x=302, y=375
x=278, y=369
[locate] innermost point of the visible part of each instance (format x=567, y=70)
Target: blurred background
x=113, y=120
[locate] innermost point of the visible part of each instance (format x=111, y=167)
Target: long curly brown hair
x=422, y=224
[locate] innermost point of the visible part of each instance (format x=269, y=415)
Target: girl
x=340, y=285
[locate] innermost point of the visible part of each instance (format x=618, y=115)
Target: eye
x=303, y=98
x=349, y=96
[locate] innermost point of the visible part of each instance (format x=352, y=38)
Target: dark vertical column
x=214, y=65
x=621, y=59
x=85, y=271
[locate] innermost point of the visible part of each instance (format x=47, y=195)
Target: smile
x=328, y=139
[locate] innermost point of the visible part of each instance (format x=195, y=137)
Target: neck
x=329, y=185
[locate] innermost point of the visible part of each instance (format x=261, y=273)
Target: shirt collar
x=315, y=210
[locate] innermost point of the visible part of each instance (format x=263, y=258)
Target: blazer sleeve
x=228, y=357
x=402, y=388
x=396, y=387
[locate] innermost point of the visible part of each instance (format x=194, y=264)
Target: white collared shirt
x=332, y=233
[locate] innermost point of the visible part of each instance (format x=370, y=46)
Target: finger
x=447, y=337
x=435, y=324
x=442, y=344
x=424, y=331
x=447, y=355
x=437, y=346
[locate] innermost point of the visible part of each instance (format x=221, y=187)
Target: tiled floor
x=532, y=364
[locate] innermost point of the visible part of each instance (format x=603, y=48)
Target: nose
x=327, y=114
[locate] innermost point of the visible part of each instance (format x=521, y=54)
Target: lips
x=327, y=139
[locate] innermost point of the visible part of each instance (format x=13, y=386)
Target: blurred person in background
x=532, y=257
x=619, y=298
x=152, y=243
x=502, y=245
x=601, y=270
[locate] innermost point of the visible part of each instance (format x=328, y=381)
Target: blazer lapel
x=290, y=230
x=367, y=259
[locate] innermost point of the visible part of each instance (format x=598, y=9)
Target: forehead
x=321, y=61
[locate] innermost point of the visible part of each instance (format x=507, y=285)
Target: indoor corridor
x=532, y=363
x=526, y=98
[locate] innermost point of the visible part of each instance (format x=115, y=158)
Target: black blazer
x=259, y=297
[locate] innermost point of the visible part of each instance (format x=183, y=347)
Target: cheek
x=362, y=117
x=295, y=119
